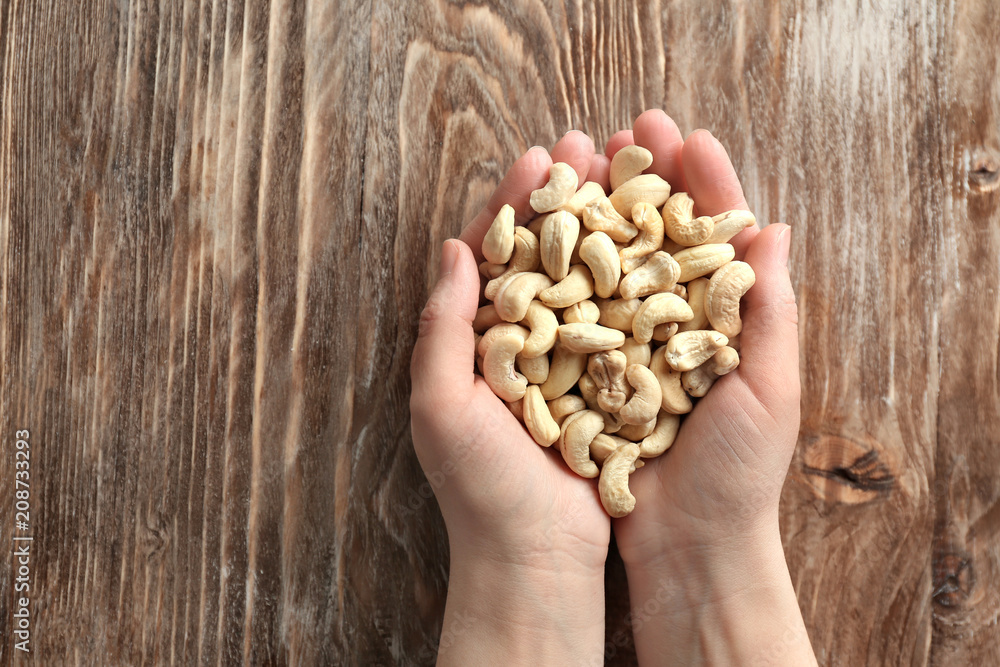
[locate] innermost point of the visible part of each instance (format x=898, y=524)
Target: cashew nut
x=600, y=216
x=662, y=437
x=722, y=299
x=659, y=309
x=559, y=233
x=486, y=317
x=691, y=349
x=698, y=381
x=627, y=163
x=618, y=501
x=725, y=361
x=696, y=299
x=575, y=436
x=679, y=290
x=645, y=188
x=636, y=432
x=525, y=258
x=587, y=338
x=537, y=418
x=558, y=191
x=575, y=257
x=729, y=224
x=589, y=390
x=576, y=286
x=498, y=244
x=649, y=240
x=608, y=372
x=564, y=406
x=657, y=273
x=702, y=260
x=663, y=332
x=645, y=402
x=604, y=445
x=491, y=271
x=587, y=193
x=565, y=369
x=497, y=331
x=536, y=369
x=599, y=253
x=515, y=295
x=636, y=352
x=585, y=311
x=618, y=313
x=543, y=325
x=679, y=223
x=673, y=397
x=516, y=408
x=498, y=368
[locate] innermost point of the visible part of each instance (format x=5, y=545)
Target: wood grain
x=219, y=221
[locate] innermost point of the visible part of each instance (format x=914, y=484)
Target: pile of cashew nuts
x=608, y=314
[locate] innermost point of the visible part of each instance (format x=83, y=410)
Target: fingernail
x=784, y=243
x=449, y=253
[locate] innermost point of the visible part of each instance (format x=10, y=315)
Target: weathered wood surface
x=219, y=221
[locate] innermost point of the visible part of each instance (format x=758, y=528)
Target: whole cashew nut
x=608, y=371
x=600, y=216
x=645, y=188
x=729, y=224
x=498, y=368
x=659, y=309
x=679, y=223
x=627, y=163
x=598, y=251
x=585, y=312
x=618, y=501
x=673, y=397
x=526, y=258
x=575, y=436
x=589, y=338
x=498, y=244
x=657, y=273
x=515, y=295
x=544, y=327
x=557, y=240
x=558, y=191
x=662, y=436
x=537, y=418
x=498, y=331
x=690, y=349
x=696, y=299
x=650, y=238
x=698, y=381
x=725, y=360
x=722, y=299
x=576, y=286
x=587, y=193
x=618, y=313
x=645, y=402
x=565, y=369
x=702, y=260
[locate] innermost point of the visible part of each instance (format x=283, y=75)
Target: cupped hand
x=721, y=480
x=501, y=495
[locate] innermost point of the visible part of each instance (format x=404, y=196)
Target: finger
x=618, y=141
x=712, y=182
x=600, y=171
x=577, y=150
x=657, y=132
x=529, y=172
x=769, y=341
x=444, y=355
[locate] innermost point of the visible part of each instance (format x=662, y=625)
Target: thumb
x=444, y=355
x=770, y=341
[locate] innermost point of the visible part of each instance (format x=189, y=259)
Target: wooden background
x=219, y=221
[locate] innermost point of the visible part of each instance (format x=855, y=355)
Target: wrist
x=504, y=612
x=727, y=602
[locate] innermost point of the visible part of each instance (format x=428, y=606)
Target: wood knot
x=845, y=470
x=984, y=171
x=954, y=577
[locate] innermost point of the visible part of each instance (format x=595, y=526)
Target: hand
x=703, y=539
x=528, y=538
